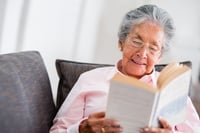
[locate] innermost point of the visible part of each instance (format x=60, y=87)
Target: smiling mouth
x=138, y=63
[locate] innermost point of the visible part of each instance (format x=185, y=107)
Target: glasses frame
x=151, y=49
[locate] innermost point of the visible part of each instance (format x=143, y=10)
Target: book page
x=169, y=68
x=124, y=79
x=130, y=105
x=170, y=72
x=173, y=100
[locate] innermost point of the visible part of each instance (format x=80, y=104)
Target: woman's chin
x=136, y=74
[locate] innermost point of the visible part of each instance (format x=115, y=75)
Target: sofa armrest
x=27, y=104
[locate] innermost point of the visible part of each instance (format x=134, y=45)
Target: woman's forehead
x=147, y=30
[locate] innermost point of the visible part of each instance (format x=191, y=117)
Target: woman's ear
x=120, y=45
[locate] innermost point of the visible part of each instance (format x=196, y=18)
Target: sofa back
x=26, y=102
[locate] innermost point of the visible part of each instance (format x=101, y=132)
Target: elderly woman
x=144, y=36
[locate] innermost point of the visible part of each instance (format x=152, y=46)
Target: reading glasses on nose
x=151, y=48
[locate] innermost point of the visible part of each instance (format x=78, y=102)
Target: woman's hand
x=167, y=128
x=97, y=123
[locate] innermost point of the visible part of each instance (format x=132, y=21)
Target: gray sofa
x=26, y=102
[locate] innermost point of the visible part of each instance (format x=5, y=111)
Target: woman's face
x=142, y=49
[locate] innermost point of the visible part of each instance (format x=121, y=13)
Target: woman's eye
x=154, y=49
x=137, y=43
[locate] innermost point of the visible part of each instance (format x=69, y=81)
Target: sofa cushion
x=69, y=71
x=25, y=93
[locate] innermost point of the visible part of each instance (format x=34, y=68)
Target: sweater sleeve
x=71, y=112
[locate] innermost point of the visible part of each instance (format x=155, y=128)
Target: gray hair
x=152, y=13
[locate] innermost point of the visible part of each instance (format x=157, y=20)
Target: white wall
x=86, y=30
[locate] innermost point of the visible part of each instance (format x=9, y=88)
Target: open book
x=136, y=104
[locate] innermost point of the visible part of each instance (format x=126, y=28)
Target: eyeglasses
x=139, y=44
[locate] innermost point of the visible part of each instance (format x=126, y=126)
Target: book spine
x=154, y=109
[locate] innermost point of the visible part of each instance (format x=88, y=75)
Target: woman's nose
x=142, y=52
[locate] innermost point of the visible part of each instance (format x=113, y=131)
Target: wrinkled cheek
x=127, y=53
x=149, y=69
